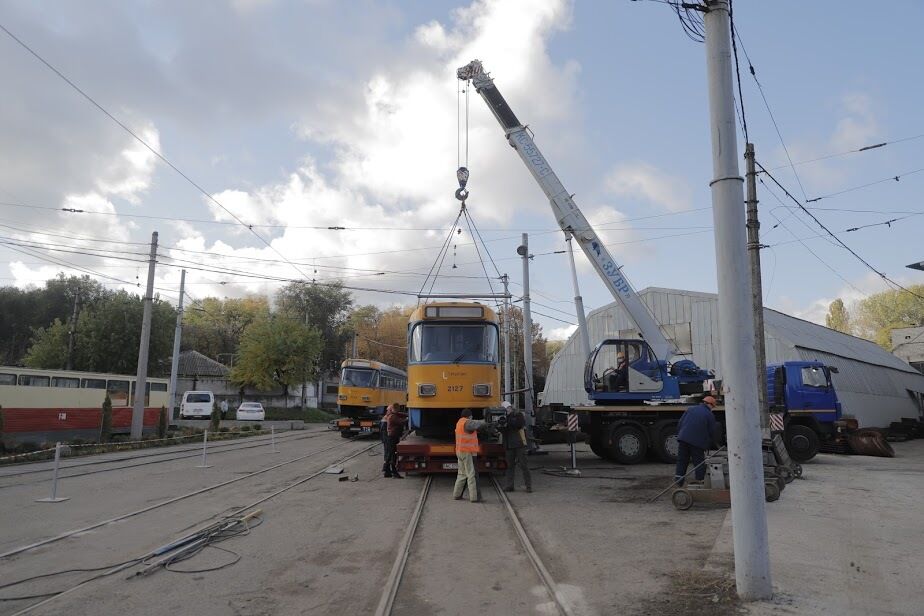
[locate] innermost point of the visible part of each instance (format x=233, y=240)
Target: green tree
x=109, y=332
x=878, y=314
x=277, y=352
x=326, y=307
x=105, y=430
x=162, y=423
x=838, y=318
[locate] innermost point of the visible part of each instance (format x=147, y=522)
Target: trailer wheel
x=771, y=491
x=665, y=444
x=801, y=442
x=785, y=473
x=627, y=444
x=797, y=471
x=682, y=499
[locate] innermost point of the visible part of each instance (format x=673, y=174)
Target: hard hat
x=709, y=400
x=506, y=404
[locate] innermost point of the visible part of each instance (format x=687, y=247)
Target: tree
x=105, y=429
x=326, y=307
x=24, y=311
x=277, y=352
x=838, y=318
x=878, y=314
x=381, y=335
x=552, y=347
x=214, y=326
x=109, y=336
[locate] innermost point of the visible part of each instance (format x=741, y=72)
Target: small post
x=273, y=437
x=572, y=438
x=205, y=444
x=54, y=498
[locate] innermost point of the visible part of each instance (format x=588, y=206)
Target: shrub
x=105, y=430
x=257, y=427
x=223, y=430
x=162, y=423
x=245, y=428
x=216, y=418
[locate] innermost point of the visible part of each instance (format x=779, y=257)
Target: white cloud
x=561, y=333
x=646, y=182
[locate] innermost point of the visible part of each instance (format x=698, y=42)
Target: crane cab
x=627, y=371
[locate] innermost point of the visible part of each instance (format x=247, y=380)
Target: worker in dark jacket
x=397, y=418
x=514, y=431
x=696, y=433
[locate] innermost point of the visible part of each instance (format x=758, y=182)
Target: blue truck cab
x=804, y=393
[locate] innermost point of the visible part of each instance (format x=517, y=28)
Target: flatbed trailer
x=430, y=455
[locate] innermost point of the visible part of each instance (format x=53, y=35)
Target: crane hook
x=462, y=175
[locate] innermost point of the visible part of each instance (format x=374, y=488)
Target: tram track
x=188, y=452
x=396, y=576
x=169, y=501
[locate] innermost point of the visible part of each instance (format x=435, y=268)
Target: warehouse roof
x=194, y=363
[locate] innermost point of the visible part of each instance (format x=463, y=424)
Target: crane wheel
x=626, y=444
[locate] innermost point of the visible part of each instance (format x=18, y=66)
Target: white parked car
x=197, y=404
x=251, y=411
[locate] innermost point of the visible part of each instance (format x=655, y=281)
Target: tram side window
x=158, y=386
x=32, y=380
x=118, y=392
x=93, y=383
x=67, y=382
x=7, y=379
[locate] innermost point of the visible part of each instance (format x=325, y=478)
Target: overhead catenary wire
x=836, y=238
x=148, y=146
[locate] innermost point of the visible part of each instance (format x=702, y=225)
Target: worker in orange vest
x=466, y=450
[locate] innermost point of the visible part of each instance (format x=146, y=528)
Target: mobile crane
x=636, y=389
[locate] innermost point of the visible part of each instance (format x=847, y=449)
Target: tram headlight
x=482, y=389
x=426, y=389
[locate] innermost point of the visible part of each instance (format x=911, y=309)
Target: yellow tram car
x=366, y=389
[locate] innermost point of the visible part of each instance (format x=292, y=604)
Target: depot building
x=873, y=385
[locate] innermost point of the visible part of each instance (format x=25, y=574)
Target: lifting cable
x=461, y=194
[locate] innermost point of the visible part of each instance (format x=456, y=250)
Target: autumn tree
x=277, y=352
x=541, y=357
x=880, y=313
x=326, y=308
x=214, y=326
x=838, y=318
x=381, y=335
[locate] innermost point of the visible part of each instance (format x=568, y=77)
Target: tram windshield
x=353, y=377
x=454, y=343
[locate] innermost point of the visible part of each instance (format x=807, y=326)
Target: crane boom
x=569, y=216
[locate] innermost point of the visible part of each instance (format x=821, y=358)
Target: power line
x=865, y=148
x=837, y=239
x=892, y=178
x=156, y=153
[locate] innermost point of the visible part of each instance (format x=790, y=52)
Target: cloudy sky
x=300, y=115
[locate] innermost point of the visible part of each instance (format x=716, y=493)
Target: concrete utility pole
x=584, y=335
x=141, y=380
x=507, y=396
x=757, y=291
x=354, y=346
x=177, y=335
x=72, y=332
x=523, y=251
x=736, y=322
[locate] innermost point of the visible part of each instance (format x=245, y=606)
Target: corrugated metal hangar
x=873, y=385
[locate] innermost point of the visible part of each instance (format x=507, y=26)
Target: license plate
x=450, y=466
x=367, y=430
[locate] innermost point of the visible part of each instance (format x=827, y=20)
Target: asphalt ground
x=326, y=546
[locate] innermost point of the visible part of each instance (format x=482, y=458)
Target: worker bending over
x=466, y=450
x=696, y=433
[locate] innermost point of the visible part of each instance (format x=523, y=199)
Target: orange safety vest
x=466, y=442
